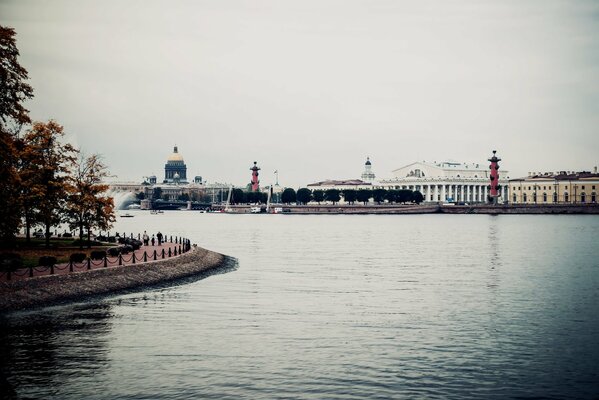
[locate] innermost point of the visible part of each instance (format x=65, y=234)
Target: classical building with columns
x=447, y=181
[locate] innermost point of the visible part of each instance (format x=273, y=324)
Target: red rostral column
x=494, y=187
x=255, y=181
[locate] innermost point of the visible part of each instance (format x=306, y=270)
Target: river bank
x=427, y=209
x=51, y=289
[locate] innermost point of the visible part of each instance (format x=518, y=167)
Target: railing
x=181, y=246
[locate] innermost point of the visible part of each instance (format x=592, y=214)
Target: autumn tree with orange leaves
x=49, y=161
x=88, y=206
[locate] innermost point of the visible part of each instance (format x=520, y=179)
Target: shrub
x=77, y=257
x=126, y=249
x=46, y=261
x=85, y=242
x=98, y=255
x=114, y=251
x=10, y=262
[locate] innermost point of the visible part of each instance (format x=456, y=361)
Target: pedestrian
x=146, y=238
x=153, y=240
x=159, y=237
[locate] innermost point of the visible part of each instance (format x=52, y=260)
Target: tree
x=13, y=92
x=237, y=197
x=13, y=89
x=256, y=197
x=364, y=195
x=140, y=195
x=10, y=184
x=304, y=195
x=288, y=196
x=88, y=206
x=378, y=195
x=157, y=193
x=404, y=196
x=318, y=196
x=392, y=195
x=183, y=197
x=417, y=197
x=349, y=195
x=52, y=160
x=332, y=195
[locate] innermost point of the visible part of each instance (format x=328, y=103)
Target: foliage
x=13, y=89
x=88, y=206
x=404, y=196
x=364, y=195
x=378, y=195
x=417, y=197
x=318, y=196
x=237, y=197
x=10, y=184
x=13, y=92
x=332, y=195
x=50, y=159
x=183, y=197
x=288, y=196
x=349, y=195
x=304, y=195
x=256, y=197
x=157, y=193
x=140, y=195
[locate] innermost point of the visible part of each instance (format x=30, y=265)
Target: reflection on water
x=43, y=349
x=430, y=306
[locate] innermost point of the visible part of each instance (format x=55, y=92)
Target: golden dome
x=175, y=156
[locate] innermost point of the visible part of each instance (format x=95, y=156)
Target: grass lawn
x=61, y=248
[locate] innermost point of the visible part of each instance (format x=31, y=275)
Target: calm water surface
x=423, y=306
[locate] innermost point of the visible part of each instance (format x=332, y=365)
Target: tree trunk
x=81, y=236
x=47, y=235
x=89, y=245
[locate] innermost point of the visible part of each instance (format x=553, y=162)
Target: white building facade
x=447, y=181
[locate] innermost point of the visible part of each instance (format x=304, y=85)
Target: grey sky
x=313, y=87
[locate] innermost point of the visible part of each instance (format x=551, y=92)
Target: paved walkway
x=125, y=259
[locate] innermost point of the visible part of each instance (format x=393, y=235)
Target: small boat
x=127, y=215
x=156, y=212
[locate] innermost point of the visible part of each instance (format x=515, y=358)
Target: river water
x=334, y=306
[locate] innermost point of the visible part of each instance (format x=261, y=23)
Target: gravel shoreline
x=52, y=289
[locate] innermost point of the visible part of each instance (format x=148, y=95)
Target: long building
x=447, y=181
x=562, y=187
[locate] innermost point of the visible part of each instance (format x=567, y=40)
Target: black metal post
x=120, y=259
x=52, y=269
x=31, y=272
x=70, y=266
x=89, y=263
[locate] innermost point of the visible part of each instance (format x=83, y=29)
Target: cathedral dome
x=175, y=156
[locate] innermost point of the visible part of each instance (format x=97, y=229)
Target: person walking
x=145, y=238
x=153, y=240
x=159, y=237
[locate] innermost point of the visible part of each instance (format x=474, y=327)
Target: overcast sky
x=312, y=88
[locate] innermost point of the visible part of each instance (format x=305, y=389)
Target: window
x=514, y=198
x=544, y=197
x=524, y=198
x=566, y=197
x=554, y=197
x=593, y=187
x=583, y=197
x=582, y=187
x=593, y=197
x=544, y=188
x=534, y=197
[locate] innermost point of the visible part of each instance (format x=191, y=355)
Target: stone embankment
x=430, y=209
x=51, y=289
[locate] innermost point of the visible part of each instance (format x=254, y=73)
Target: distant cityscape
x=438, y=182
